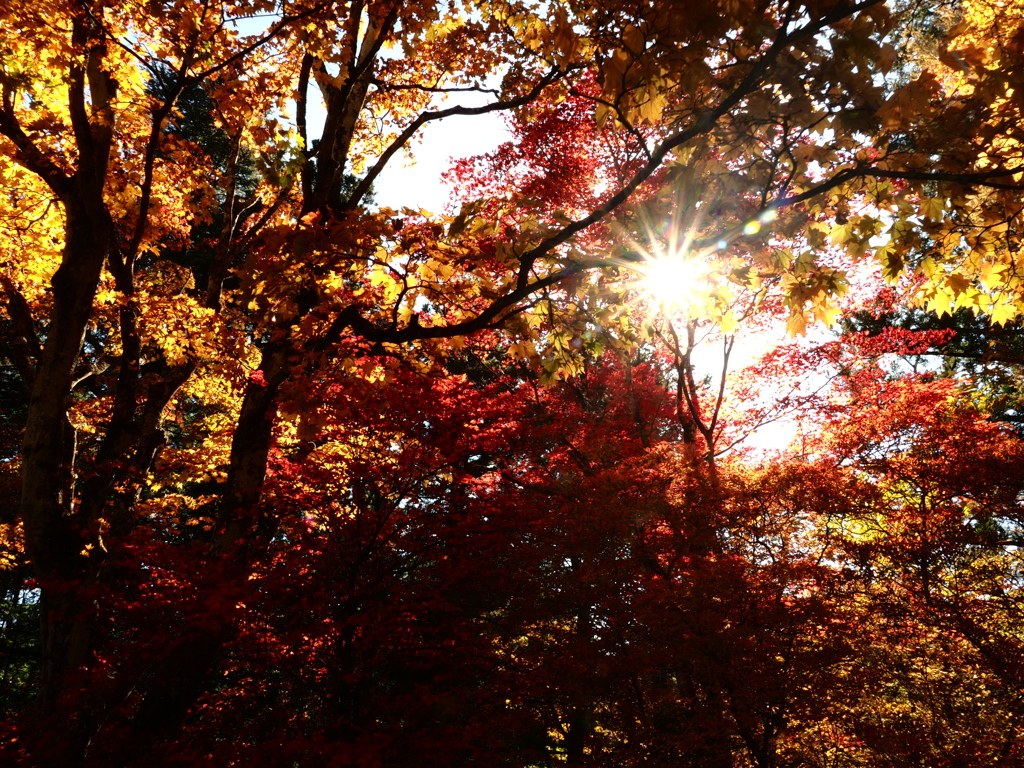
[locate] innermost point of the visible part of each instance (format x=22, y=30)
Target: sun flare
x=673, y=281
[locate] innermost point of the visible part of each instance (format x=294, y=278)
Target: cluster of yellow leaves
x=971, y=235
x=12, y=545
x=29, y=222
x=179, y=510
x=179, y=327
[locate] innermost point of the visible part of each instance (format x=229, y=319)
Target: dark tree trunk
x=56, y=541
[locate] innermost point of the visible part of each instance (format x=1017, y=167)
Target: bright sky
x=416, y=182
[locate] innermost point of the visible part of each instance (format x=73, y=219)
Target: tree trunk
x=57, y=543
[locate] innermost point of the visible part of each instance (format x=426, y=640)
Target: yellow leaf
x=1004, y=312
x=931, y=208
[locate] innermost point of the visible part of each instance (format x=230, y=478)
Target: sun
x=674, y=281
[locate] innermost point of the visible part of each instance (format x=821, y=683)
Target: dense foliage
x=689, y=434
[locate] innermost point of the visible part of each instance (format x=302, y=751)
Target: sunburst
x=675, y=272
x=675, y=281
x=672, y=275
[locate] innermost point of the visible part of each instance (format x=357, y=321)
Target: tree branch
x=425, y=117
x=25, y=344
x=27, y=154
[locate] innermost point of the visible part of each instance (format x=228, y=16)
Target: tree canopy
x=290, y=477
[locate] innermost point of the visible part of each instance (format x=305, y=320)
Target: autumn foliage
x=687, y=432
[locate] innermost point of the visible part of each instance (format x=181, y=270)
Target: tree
x=186, y=296
x=935, y=546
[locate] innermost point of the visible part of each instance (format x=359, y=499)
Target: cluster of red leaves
x=474, y=570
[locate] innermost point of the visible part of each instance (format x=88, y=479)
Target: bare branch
x=382, y=86
x=426, y=117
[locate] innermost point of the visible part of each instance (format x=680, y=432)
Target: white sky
x=416, y=182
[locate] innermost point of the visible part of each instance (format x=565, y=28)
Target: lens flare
x=673, y=281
